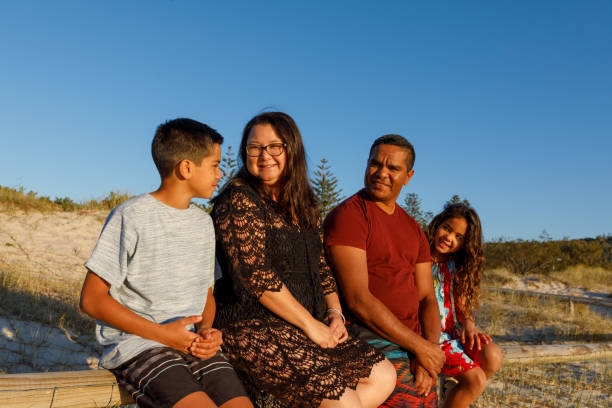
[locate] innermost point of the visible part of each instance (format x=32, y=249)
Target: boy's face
x=207, y=174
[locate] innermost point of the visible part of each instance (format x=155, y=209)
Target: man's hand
x=176, y=335
x=431, y=357
x=422, y=380
x=206, y=344
x=472, y=337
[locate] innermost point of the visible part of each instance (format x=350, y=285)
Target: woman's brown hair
x=469, y=259
x=297, y=196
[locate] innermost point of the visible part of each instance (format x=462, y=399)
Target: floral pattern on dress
x=458, y=360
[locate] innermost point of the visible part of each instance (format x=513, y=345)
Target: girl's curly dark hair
x=469, y=259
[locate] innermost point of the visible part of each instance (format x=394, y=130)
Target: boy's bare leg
x=375, y=389
x=195, y=400
x=238, y=402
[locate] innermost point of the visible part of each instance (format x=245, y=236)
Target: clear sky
x=508, y=103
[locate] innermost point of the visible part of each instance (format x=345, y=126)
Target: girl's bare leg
x=472, y=383
x=490, y=359
x=470, y=386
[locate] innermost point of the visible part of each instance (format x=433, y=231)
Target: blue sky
x=508, y=103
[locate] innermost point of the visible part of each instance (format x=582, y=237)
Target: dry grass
x=31, y=297
x=586, y=277
x=586, y=384
x=497, y=277
x=13, y=199
x=532, y=319
x=18, y=199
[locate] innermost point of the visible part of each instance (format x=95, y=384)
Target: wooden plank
x=578, y=299
x=555, y=352
x=88, y=388
x=98, y=388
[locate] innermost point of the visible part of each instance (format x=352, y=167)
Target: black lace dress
x=259, y=249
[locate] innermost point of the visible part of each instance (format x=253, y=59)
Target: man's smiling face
x=387, y=173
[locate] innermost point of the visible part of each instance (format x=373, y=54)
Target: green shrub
x=526, y=257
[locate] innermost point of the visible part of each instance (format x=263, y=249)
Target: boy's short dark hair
x=181, y=139
x=396, y=140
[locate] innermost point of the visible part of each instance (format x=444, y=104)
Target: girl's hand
x=320, y=334
x=206, y=344
x=472, y=337
x=337, y=327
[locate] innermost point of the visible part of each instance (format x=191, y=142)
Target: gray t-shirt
x=159, y=262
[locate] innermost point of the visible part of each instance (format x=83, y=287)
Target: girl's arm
x=470, y=334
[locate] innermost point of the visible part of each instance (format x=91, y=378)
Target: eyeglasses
x=273, y=149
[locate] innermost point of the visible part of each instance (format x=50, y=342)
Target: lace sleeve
x=327, y=279
x=240, y=226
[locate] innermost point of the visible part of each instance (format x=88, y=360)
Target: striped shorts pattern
x=162, y=376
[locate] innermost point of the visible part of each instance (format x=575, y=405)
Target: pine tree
x=455, y=199
x=412, y=205
x=228, y=167
x=325, y=186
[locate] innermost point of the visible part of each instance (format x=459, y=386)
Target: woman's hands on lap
x=337, y=327
x=321, y=334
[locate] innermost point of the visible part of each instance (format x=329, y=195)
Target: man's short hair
x=181, y=139
x=396, y=140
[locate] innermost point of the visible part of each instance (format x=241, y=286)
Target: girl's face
x=269, y=169
x=449, y=236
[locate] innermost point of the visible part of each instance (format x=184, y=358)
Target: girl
x=455, y=239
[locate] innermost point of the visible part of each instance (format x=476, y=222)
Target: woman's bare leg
x=349, y=399
x=375, y=389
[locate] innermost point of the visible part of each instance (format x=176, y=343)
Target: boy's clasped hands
x=207, y=344
x=203, y=344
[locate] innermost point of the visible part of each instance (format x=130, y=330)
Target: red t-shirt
x=394, y=243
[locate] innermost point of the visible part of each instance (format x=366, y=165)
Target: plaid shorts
x=405, y=394
x=160, y=377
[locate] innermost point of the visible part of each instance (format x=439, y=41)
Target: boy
x=150, y=280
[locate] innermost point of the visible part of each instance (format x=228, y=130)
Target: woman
x=277, y=304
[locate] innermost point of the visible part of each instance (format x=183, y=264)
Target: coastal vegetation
x=45, y=298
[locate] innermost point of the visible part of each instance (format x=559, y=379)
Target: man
x=382, y=263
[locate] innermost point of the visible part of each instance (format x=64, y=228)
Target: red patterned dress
x=458, y=359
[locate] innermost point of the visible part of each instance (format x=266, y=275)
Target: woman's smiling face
x=269, y=169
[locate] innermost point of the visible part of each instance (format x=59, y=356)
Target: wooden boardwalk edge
x=595, y=301
x=98, y=388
